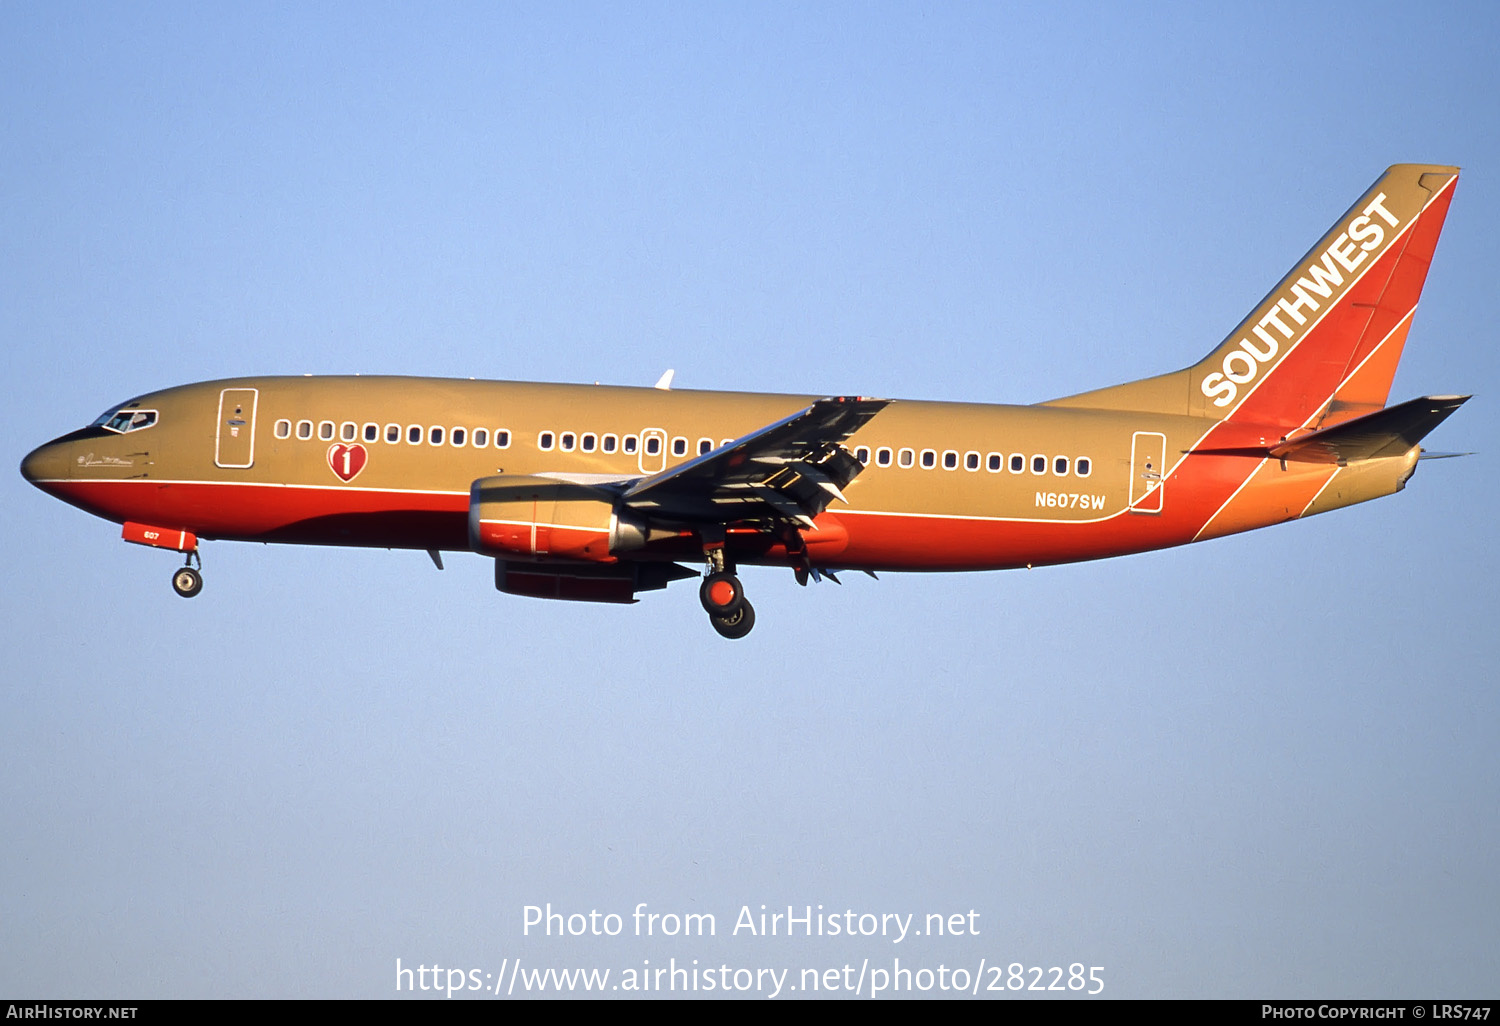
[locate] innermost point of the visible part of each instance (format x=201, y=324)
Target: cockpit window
x=123, y=421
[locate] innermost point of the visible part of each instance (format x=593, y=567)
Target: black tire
x=187, y=582
x=713, y=590
x=737, y=624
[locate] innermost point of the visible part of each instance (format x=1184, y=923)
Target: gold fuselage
x=226, y=459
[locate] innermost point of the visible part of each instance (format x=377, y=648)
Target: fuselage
x=388, y=462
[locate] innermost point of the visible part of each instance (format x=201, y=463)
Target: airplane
x=598, y=493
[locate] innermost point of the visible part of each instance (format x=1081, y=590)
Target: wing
x=787, y=471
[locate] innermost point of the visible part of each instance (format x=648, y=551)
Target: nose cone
x=44, y=464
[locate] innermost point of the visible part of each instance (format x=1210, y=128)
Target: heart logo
x=347, y=460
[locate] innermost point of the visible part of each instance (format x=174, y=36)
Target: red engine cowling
x=514, y=516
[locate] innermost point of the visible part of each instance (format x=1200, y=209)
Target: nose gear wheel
x=187, y=582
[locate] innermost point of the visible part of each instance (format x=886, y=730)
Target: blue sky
x=1264, y=765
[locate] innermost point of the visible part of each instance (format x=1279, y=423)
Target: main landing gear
x=723, y=596
x=187, y=581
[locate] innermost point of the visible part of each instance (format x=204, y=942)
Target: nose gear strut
x=188, y=582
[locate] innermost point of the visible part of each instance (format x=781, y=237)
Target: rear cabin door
x=1148, y=457
x=235, y=444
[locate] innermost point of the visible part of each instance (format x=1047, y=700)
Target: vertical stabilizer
x=1323, y=345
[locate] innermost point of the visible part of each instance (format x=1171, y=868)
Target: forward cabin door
x=1148, y=458
x=235, y=444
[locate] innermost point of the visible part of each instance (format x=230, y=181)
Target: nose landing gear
x=187, y=581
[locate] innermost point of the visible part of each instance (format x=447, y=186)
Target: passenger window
x=325, y=430
x=393, y=433
x=283, y=429
x=929, y=459
x=544, y=441
x=971, y=461
x=481, y=438
x=628, y=443
x=950, y=460
x=1060, y=466
x=1038, y=464
x=502, y=439
x=705, y=446
x=1083, y=466
x=372, y=432
x=1017, y=463
x=566, y=441
x=609, y=443
x=414, y=434
x=653, y=446
x=435, y=435
x=458, y=436
x=587, y=443
x=994, y=462
x=883, y=456
x=304, y=429
x=905, y=458
x=349, y=430
x=679, y=446
x=863, y=455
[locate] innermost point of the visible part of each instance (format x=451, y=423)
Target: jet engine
x=514, y=516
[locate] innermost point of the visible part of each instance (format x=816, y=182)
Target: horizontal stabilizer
x=1384, y=433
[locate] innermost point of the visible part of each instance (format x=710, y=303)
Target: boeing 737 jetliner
x=597, y=493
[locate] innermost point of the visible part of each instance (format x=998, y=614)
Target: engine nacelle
x=514, y=516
